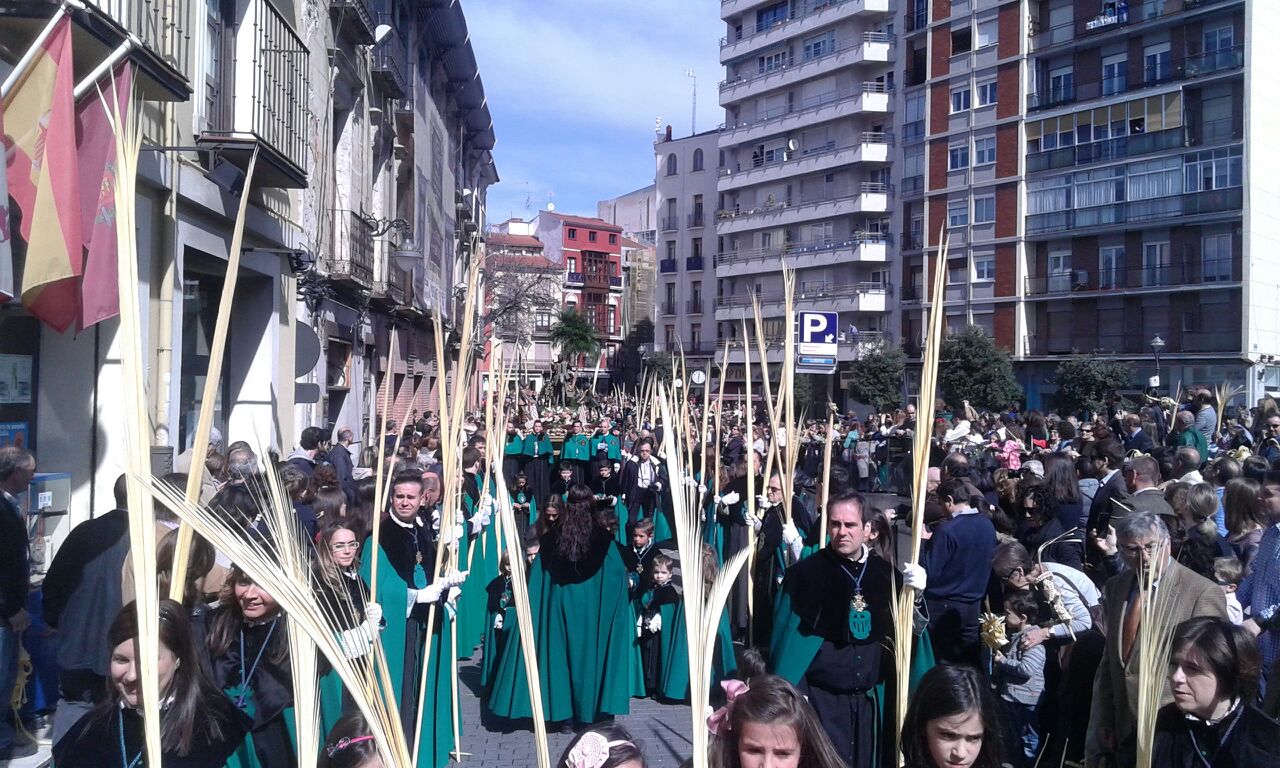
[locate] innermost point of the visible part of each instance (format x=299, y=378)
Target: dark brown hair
x=1228, y=651
x=945, y=691
x=774, y=701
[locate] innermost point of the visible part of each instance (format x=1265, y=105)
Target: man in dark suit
x=343, y=465
x=17, y=468
x=1107, y=457
x=1141, y=476
x=1135, y=437
x=1143, y=542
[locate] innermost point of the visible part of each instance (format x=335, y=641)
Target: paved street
x=662, y=731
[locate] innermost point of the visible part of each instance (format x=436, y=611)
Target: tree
x=971, y=367
x=877, y=376
x=1086, y=382
x=574, y=336
x=516, y=290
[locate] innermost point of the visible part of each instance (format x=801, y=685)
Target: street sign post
x=817, y=347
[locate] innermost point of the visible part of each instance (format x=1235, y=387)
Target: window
x=1110, y=265
x=984, y=209
x=1104, y=186
x=988, y=32
x=572, y=263
x=1114, y=74
x=958, y=213
x=771, y=62
x=1062, y=85
x=1049, y=195
x=697, y=159
x=696, y=249
x=1156, y=265
x=1216, y=169
x=542, y=321
x=573, y=234
x=1215, y=258
x=1157, y=63
x=984, y=150
x=987, y=94
x=960, y=100
x=817, y=47
x=1059, y=272
x=613, y=239
x=671, y=164
x=961, y=40
x=984, y=267
x=958, y=158
x=695, y=293
x=612, y=313
x=670, y=334
x=1219, y=48
x=1154, y=179
x=671, y=249
x=591, y=235
x=768, y=17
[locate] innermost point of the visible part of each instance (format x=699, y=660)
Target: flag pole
x=21, y=67
x=109, y=63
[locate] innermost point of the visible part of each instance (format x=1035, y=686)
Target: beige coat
x=1115, y=687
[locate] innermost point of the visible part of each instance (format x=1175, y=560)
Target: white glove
x=430, y=593
x=702, y=489
x=477, y=524
x=373, y=615
x=461, y=515
x=459, y=531
x=639, y=626
x=691, y=481
x=914, y=576
x=731, y=498
x=487, y=503
x=497, y=622
x=655, y=624
x=790, y=534
x=756, y=523
x=356, y=642
x=762, y=502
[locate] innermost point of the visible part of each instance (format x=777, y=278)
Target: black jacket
x=1140, y=442
x=1254, y=740
x=343, y=466
x=15, y=565
x=1112, y=489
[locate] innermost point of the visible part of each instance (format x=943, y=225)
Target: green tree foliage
x=973, y=368
x=877, y=376
x=1085, y=382
x=574, y=336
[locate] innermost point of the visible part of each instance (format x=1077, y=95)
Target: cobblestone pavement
x=661, y=730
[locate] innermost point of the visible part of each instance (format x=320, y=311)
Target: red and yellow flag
x=96, y=147
x=40, y=124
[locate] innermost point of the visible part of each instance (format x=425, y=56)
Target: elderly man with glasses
x=1143, y=543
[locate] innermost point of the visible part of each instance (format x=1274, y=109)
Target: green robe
x=577, y=448
x=584, y=632
x=435, y=741
x=673, y=653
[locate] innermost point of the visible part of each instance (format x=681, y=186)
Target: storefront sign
x=13, y=433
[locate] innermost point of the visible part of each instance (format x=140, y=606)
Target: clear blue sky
x=574, y=87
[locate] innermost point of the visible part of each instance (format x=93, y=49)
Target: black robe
x=94, y=740
x=841, y=680
x=1254, y=740
x=270, y=684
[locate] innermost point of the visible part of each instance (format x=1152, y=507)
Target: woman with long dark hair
x=583, y=622
x=199, y=728
x=248, y=647
x=951, y=721
x=1064, y=491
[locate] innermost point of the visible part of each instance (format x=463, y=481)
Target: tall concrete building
x=685, y=292
x=804, y=163
x=1103, y=172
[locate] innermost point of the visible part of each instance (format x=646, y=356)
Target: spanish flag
x=40, y=125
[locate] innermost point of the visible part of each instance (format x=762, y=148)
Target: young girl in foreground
x=768, y=723
x=951, y=721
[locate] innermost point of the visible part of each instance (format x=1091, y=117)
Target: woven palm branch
x=1154, y=643
x=904, y=609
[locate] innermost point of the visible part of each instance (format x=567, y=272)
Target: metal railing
x=812, y=291
x=693, y=263
x=802, y=248
x=574, y=278
x=693, y=306
x=792, y=62
x=913, y=132
x=1125, y=279
x=352, y=255
x=163, y=33
x=670, y=223
x=1136, y=211
x=695, y=219
x=912, y=186
x=795, y=12
x=615, y=282
x=667, y=266
x=668, y=307
x=1133, y=17
x=358, y=17
x=1136, y=145
x=278, y=73
x=817, y=101
x=865, y=188
x=1184, y=69
x=868, y=137
x=389, y=64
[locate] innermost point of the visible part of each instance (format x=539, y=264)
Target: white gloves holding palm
x=914, y=576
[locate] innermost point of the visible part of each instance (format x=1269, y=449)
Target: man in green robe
x=577, y=453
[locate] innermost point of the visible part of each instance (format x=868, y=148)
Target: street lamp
x=1157, y=344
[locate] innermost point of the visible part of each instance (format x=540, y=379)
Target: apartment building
x=804, y=163
x=371, y=133
x=635, y=213
x=1091, y=165
x=685, y=292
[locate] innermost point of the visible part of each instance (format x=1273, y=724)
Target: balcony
x=695, y=219
x=1117, y=215
x=1123, y=22
x=605, y=328
x=912, y=186
x=615, y=283
x=670, y=223
x=863, y=247
x=390, y=68
x=668, y=307
x=1118, y=148
x=1190, y=68
x=830, y=297
x=574, y=279
x=870, y=98
x=1135, y=344
x=667, y=266
x=598, y=278
x=265, y=109
x=870, y=197
x=1134, y=279
x=352, y=256
x=870, y=148
x=355, y=17
x=693, y=263
x=913, y=132
x=693, y=306
x=802, y=16
x=872, y=47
